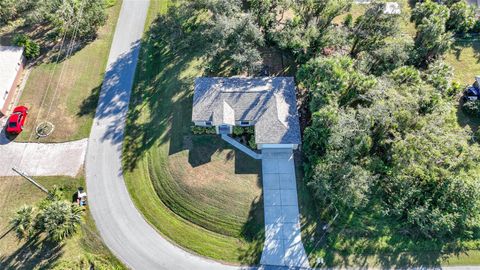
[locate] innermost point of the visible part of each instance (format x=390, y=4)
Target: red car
x=17, y=119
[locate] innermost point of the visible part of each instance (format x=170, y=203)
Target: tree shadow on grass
x=465, y=120
x=161, y=91
x=460, y=44
x=89, y=105
x=253, y=231
x=36, y=252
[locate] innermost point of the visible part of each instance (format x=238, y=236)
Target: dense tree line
x=80, y=18
x=384, y=135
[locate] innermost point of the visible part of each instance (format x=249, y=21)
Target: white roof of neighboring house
x=10, y=61
x=392, y=8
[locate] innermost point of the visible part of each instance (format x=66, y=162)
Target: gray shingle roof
x=268, y=101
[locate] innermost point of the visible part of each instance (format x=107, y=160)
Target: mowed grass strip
x=215, y=186
x=66, y=93
x=195, y=190
x=74, y=253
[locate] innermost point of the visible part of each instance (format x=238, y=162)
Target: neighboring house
x=392, y=8
x=267, y=103
x=11, y=66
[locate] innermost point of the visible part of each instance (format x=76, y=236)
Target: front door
x=224, y=129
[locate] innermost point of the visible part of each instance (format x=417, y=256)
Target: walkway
x=283, y=241
x=42, y=159
x=241, y=147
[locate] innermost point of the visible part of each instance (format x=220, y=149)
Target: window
x=244, y=123
x=208, y=123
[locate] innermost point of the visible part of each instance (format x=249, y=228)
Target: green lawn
x=195, y=190
x=465, y=60
x=78, y=252
x=66, y=93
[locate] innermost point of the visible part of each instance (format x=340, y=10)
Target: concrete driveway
x=283, y=240
x=42, y=159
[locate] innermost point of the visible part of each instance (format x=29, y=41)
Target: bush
x=239, y=131
x=476, y=136
x=31, y=48
x=251, y=142
x=198, y=130
x=348, y=21
x=454, y=89
x=472, y=107
x=476, y=27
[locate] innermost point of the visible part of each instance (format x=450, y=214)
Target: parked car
x=472, y=92
x=17, y=120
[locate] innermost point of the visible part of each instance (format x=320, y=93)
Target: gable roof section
x=268, y=101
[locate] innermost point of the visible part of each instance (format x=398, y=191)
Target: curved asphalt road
x=120, y=224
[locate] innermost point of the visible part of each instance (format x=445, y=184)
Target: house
x=12, y=63
x=267, y=103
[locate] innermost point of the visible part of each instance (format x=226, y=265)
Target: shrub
x=476, y=27
x=251, y=142
x=239, y=131
x=198, y=130
x=476, y=136
x=462, y=18
x=472, y=107
x=348, y=21
x=454, y=89
x=31, y=48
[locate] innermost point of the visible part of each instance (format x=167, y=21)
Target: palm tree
x=59, y=219
x=22, y=222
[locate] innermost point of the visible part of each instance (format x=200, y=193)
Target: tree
x=31, y=48
x=372, y=29
x=59, y=219
x=431, y=40
x=303, y=35
x=434, y=178
x=462, y=18
x=229, y=37
x=332, y=80
x=439, y=74
x=75, y=17
x=269, y=13
x=22, y=222
x=402, y=152
x=11, y=9
x=406, y=76
x=387, y=58
x=428, y=9
x=336, y=143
